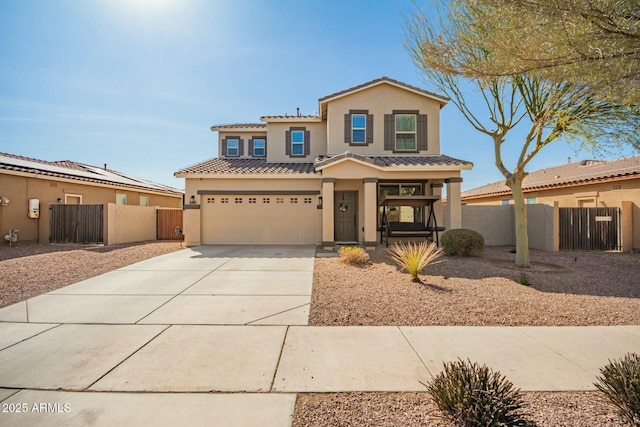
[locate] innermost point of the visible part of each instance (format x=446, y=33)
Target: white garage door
x=259, y=219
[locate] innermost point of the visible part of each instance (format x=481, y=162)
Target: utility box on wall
x=34, y=208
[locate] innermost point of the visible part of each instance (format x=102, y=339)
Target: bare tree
x=446, y=42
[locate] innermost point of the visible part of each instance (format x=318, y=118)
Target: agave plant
x=620, y=384
x=413, y=257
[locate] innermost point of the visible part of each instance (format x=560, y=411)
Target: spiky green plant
x=413, y=257
x=473, y=396
x=620, y=384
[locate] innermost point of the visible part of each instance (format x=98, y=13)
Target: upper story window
x=297, y=142
x=144, y=200
x=358, y=127
x=232, y=146
x=405, y=131
x=121, y=199
x=259, y=147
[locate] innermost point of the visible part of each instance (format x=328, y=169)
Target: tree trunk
x=522, y=237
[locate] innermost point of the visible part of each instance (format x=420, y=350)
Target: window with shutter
x=298, y=142
x=358, y=127
x=258, y=147
x=232, y=146
x=405, y=131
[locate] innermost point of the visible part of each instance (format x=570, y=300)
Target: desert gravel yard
x=565, y=289
x=28, y=270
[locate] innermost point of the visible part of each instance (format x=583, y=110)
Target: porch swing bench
x=429, y=230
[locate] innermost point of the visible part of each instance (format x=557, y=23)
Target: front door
x=346, y=216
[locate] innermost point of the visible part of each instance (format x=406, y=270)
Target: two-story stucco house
x=320, y=179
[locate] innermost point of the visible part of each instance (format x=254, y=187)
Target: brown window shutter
x=224, y=148
x=422, y=132
x=347, y=128
x=307, y=142
x=240, y=147
x=287, y=142
x=250, y=152
x=369, y=129
x=389, y=132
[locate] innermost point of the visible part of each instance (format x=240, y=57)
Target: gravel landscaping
x=558, y=409
x=565, y=289
x=28, y=270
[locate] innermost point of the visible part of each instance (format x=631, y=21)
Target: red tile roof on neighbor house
x=80, y=172
x=219, y=166
x=585, y=171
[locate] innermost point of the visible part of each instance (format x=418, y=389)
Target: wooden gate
x=76, y=223
x=166, y=222
x=590, y=229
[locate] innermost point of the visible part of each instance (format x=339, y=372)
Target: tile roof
x=584, y=171
x=391, y=161
x=309, y=116
x=239, y=126
x=81, y=172
x=247, y=167
x=380, y=80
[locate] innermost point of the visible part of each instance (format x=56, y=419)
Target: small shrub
x=620, y=384
x=353, y=255
x=524, y=280
x=471, y=395
x=462, y=242
x=413, y=257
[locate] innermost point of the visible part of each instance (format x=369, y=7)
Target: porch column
x=327, y=213
x=454, y=202
x=436, y=190
x=370, y=212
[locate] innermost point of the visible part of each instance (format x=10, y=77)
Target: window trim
x=297, y=143
x=237, y=147
x=263, y=148
x=363, y=129
x=349, y=128
x=396, y=132
x=306, y=142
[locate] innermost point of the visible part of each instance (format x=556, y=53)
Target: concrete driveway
x=174, y=323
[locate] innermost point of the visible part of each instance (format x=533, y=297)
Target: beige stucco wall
x=380, y=100
x=127, y=224
x=19, y=188
x=277, y=141
x=606, y=194
x=245, y=136
x=497, y=224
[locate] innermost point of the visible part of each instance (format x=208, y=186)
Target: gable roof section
x=80, y=172
x=569, y=174
x=240, y=167
x=394, y=161
x=385, y=80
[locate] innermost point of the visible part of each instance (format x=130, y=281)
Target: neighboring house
x=586, y=184
x=24, y=179
x=319, y=179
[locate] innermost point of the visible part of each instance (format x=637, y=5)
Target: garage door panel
x=283, y=220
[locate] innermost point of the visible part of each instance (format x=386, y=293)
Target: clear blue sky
x=137, y=84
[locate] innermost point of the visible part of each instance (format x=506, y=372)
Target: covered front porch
x=356, y=193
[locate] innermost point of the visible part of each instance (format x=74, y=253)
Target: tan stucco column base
x=191, y=225
x=454, y=203
x=327, y=213
x=370, y=213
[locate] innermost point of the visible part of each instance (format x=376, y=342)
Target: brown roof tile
x=390, y=161
x=247, y=167
x=239, y=126
x=568, y=174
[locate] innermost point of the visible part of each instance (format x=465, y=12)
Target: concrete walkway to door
x=218, y=335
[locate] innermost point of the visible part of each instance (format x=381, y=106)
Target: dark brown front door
x=346, y=216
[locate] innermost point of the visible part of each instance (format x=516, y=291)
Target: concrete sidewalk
x=218, y=335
